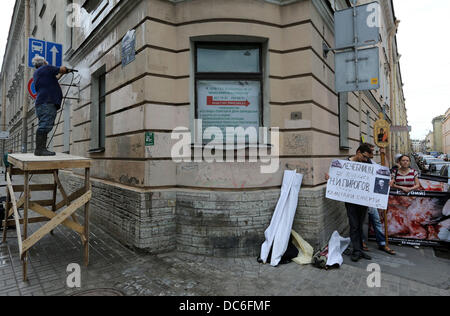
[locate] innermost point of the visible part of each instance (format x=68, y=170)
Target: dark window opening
x=91, y=5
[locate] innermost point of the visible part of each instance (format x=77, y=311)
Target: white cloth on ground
x=279, y=231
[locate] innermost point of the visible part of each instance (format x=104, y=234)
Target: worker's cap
x=38, y=61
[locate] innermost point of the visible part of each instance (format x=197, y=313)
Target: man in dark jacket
x=48, y=101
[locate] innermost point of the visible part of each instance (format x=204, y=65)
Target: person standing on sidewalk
x=357, y=213
x=48, y=101
x=405, y=179
x=374, y=218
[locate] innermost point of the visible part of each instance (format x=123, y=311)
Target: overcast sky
x=424, y=46
x=5, y=20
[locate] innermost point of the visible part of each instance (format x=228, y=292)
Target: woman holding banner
x=405, y=178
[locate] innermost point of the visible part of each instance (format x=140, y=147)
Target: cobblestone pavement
x=114, y=266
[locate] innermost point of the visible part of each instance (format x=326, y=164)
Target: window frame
x=229, y=76
x=97, y=142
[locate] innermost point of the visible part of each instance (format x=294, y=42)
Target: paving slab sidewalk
x=114, y=266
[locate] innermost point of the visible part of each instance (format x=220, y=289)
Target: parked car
x=426, y=163
x=444, y=171
x=435, y=167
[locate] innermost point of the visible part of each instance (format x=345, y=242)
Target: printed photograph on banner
x=419, y=218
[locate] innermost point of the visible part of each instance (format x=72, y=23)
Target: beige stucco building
x=123, y=116
x=446, y=133
x=429, y=141
x=437, y=133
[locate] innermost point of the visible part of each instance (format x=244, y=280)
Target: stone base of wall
x=220, y=224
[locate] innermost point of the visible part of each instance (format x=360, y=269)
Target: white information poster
x=359, y=183
x=225, y=104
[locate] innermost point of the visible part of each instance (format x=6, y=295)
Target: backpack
x=320, y=258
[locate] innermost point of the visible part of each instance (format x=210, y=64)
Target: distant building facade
x=446, y=133
x=416, y=145
x=437, y=133
x=429, y=141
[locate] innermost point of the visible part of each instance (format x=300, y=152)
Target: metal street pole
x=25, y=80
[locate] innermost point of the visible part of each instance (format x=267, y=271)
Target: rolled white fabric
x=279, y=231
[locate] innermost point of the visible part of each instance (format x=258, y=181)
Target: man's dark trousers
x=356, y=216
x=46, y=114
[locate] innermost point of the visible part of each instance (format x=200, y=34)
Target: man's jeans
x=374, y=218
x=46, y=114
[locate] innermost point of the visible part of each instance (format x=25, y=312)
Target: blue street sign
x=36, y=47
x=52, y=52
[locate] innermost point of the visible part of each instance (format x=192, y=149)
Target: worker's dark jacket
x=47, y=86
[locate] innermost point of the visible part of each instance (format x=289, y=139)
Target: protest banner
x=359, y=183
x=420, y=218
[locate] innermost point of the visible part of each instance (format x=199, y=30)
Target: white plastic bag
x=336, y=248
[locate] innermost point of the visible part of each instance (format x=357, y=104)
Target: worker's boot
x=41, y=146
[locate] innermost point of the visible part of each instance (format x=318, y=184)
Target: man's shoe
x=365, y=256
x=356, y=257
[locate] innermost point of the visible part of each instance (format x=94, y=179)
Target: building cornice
x=117, y=14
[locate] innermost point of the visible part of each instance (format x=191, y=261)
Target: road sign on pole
x=364, y=26
x=357, y=65
x=367, y=72
x=4, y=135
x=52, y=52
x=35, y=48
x=32, y=89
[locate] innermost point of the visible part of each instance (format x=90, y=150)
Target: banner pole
x=386, y=233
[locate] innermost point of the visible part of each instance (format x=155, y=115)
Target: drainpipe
x=4, y=110
x=25, y=80
x=4, y=103
x=391, y=34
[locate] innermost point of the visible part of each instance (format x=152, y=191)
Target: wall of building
x=437, y=134
x=141, y=195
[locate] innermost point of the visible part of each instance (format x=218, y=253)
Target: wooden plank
x=65, y=197
x=43, y=202
x=25, y=223
x=16, y=213
x=33, y=220
x=8, y=207
x=29, y=162
x=56, y=165
x=61, y=188
x=71, y=198
x=32, y=172
x=87, y=186
x=34, y=188
x=57, y=220
x=50, y=215
x=20, y=203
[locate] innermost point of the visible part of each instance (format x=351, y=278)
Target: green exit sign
x=149, y=139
